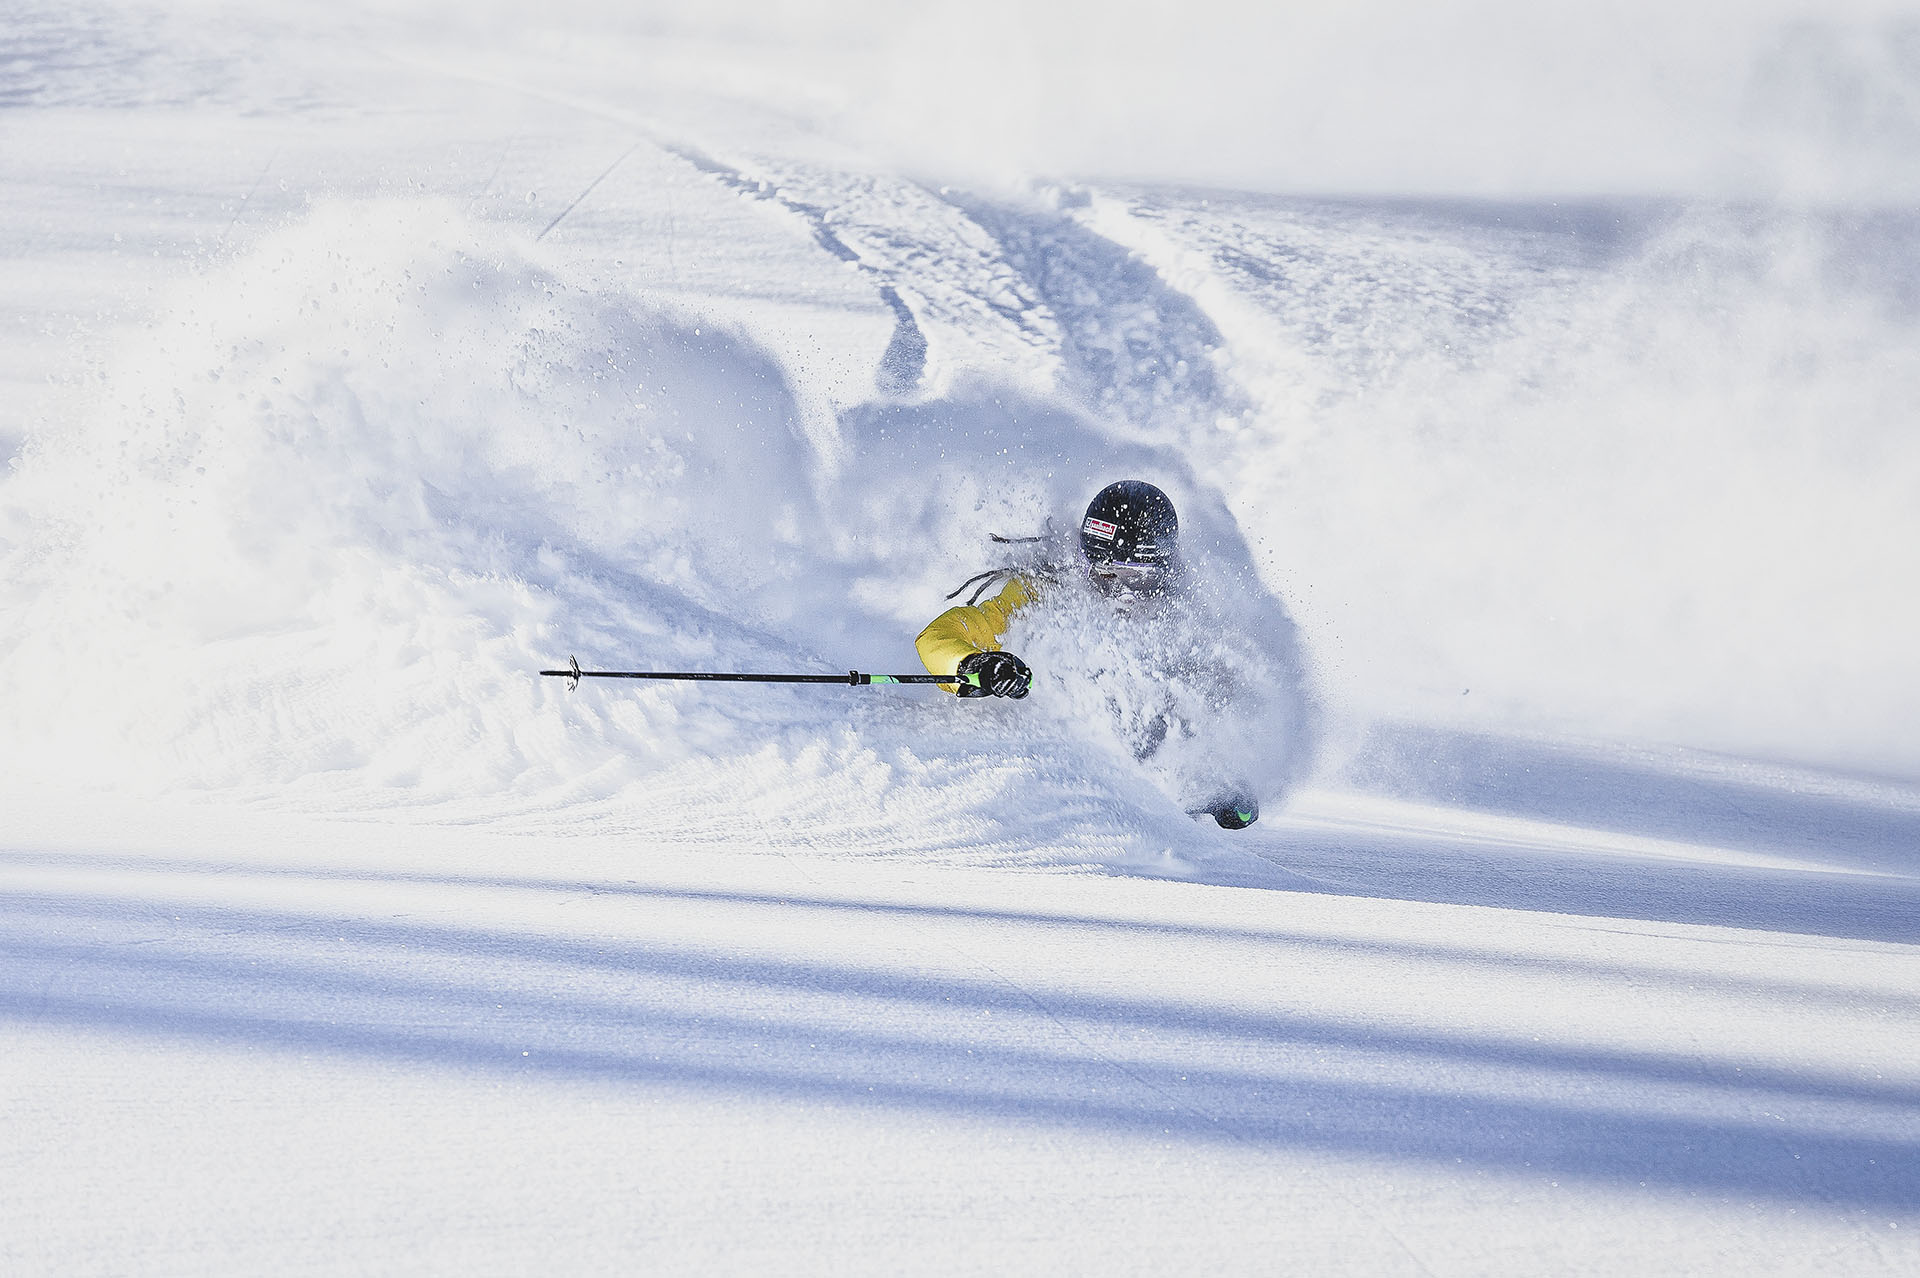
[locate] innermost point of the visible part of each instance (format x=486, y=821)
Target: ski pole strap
x=853, y=678
x=983, y=580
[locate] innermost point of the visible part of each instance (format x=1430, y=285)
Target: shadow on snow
x=811, y=1030
x=1871, y=844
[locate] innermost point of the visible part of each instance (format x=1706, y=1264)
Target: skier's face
x=1127, y=585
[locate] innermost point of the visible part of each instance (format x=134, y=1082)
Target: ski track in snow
x=391, y=371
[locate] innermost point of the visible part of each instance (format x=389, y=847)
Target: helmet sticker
x=1100, y=528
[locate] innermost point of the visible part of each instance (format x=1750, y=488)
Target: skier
x=1129, y=540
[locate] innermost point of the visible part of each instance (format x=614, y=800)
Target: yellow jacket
x=958, y=633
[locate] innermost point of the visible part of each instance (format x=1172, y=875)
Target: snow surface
x=362, y=364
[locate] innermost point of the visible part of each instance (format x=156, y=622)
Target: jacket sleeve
x=958, y=633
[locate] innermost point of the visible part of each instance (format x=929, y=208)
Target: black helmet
x=1132, y=522
x=1129, y=536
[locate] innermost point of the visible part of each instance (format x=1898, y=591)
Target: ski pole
x=573, y=674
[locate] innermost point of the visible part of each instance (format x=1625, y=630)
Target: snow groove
x=1135, y=350
x=903, y=364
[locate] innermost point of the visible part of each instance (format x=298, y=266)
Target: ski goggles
x=1118, y=575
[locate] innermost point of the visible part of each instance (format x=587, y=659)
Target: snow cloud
x=1487, y=97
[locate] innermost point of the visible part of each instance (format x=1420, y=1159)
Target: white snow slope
x=358, y=367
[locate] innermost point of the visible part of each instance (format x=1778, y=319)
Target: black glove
x=1001, y=675
x=1236, y=813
